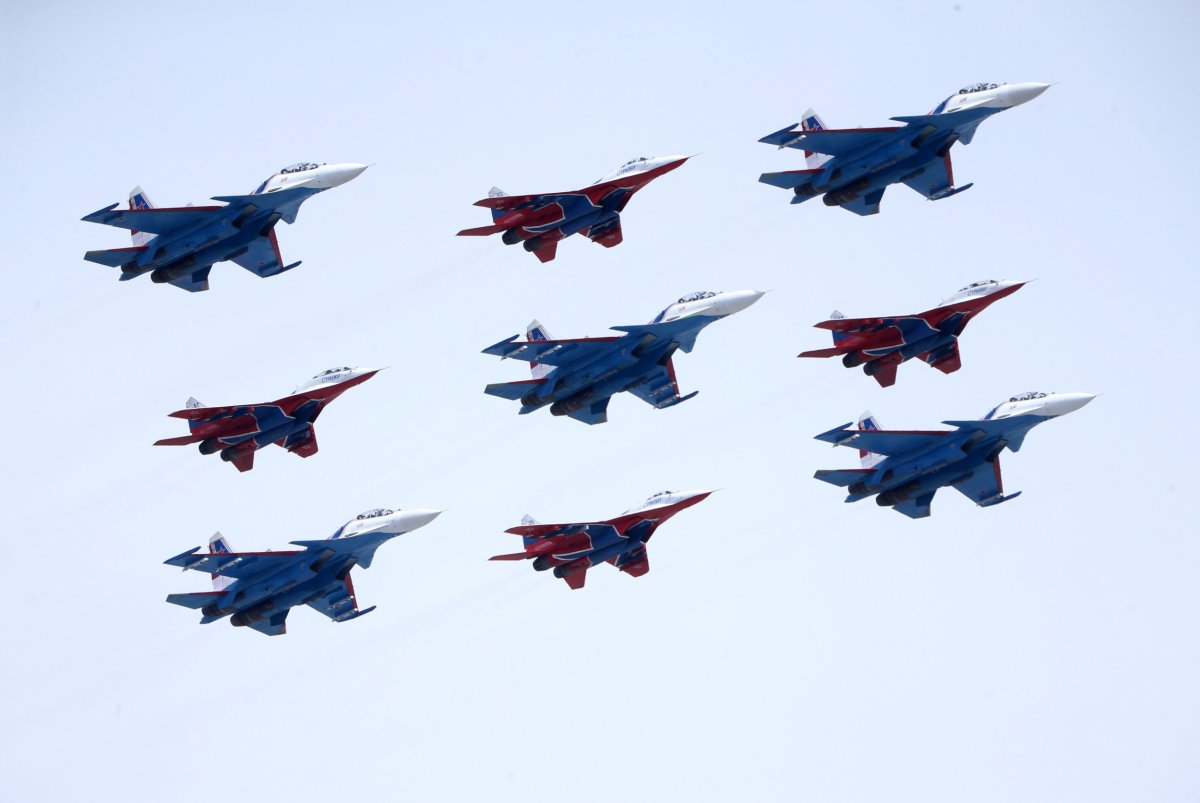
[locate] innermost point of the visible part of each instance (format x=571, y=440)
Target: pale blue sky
x=785, y=646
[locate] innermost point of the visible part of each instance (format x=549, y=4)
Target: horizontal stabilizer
x=482, y=231
x=833, y=352
x=513, y=390
x=843, y=478
x=195, y=600
x=114, y=257
x=182, y=440
x=512, y=556
x=838, y=435
x=788, y=179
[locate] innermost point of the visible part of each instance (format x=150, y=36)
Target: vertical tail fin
x=838, y=337
x=813, y=122
x=535, y=332
x=526, y=521
x=138, y=199
x=219, y=545
x=866, y=422
x=496, y=192
x=192, y=404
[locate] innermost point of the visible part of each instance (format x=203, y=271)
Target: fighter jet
x=237, y=432
x=572, y=549
x=852, y=167
x=540, y=221
x=259, y=589
x=879, y=345
x=578, y=377
x=180, y=245
x=904, y=469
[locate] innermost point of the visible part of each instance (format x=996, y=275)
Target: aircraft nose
x=737, y=300
x=1016, y=94
x=341, y=173
x=1063, y=403
x=417, y=518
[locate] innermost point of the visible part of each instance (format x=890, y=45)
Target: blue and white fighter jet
x=577, y=378
x=259, y=589
x=852, y=167
x=904, y=469
x=180, y=245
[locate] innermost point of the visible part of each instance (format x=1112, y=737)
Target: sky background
x=784, y=646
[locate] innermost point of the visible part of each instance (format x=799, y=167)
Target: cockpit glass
x=1020, y=397
x=332, y=371
x=375, y=513
x=300, y=167
x=697, y=296
x=966, y=90
x=976, y=285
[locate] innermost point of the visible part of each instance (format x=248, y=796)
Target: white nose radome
x=339, y=174
x=736, y=300
x=1063, y=403
x=1016, y=94
x=417, y=518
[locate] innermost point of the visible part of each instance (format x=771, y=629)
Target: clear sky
x=784, y=646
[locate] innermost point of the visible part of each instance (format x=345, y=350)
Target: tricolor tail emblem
x=535, y=332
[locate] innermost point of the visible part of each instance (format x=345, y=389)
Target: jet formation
x=571, y=549
x=903, y=469
x=577, y=378
x=851, y=167
x=259, y=589
x=180, y=245
x=238, y=431
x=538, y=222
x=879, y=345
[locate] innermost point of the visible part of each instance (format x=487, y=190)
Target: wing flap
x=882, y=441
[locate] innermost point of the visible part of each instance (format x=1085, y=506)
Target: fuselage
x=226, y=232
x=912, y=149
x=948, y=459
x=592, y=545
x=309, y=573
x=594, y=207
x=636, y=356
x=289, y=417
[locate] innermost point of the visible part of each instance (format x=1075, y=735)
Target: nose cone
x=1016, y=94
x=339, y=174
x=736, y=300
x=1063, y=403
x=694, y=497
x=417, y=518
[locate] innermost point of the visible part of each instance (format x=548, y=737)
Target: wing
x=832, y=141
x=262, y=257
x=337, y=601
x=233, y=564
x=984, y=486
x=935, y=180
x=607, y=234
x=882, y=441
x=275, y=625
x=947, y=361
x=156, y=221
x=635, y=562
x=916, y=508
x=194, y=282
x=865, y=204
x=595, y=413
x=302, y=443
x=553, y=352
x=659, y=389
